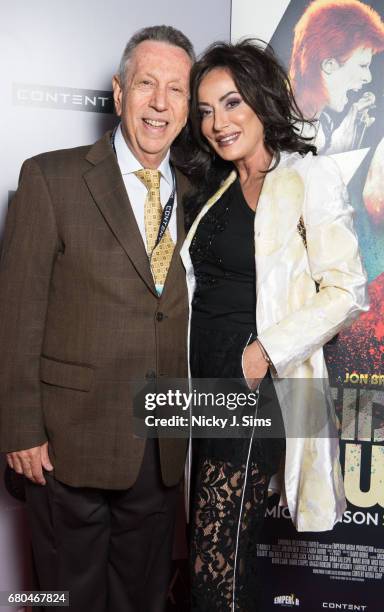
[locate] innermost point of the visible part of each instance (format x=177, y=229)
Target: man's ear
x=329, y=65
x=117, y=94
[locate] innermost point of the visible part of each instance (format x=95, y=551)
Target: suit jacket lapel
x=107, y=187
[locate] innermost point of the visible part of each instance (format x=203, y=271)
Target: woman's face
x=341, y=78
x=230, y=126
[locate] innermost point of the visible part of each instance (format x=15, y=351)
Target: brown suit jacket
x=80, y=319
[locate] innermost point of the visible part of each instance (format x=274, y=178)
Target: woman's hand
x=255, y=365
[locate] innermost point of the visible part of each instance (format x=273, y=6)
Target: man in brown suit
x=80, y=318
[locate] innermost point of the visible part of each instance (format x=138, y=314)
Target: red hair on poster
x=326, y=36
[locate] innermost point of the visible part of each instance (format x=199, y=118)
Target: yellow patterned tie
x=161, y=255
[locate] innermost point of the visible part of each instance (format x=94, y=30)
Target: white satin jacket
x=294, y=320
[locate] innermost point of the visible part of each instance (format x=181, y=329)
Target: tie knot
x=150, y=178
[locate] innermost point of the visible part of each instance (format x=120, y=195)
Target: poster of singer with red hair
x=333, y=46
x=334, y=52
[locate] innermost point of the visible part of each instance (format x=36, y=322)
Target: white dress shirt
x=136, y=191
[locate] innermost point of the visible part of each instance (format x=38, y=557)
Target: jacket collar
x=212, y=200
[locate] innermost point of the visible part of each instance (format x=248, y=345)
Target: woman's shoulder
x=312, y=167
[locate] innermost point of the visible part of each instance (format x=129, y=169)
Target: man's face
x=153, y=101
x=351, y=75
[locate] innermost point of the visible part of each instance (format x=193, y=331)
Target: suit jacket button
x=159, y=316
x=150, y=375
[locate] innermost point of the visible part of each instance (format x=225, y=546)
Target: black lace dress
x=231, y=475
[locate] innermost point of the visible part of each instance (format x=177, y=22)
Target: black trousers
x=110, y=549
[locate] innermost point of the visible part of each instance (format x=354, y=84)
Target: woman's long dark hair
x=264, y=85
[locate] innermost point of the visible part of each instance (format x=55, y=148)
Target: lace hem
x=221, y=560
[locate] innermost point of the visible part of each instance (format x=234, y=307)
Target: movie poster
x=334, y=52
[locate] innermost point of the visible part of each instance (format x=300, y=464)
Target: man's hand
x=254, y=365
x=31, y=462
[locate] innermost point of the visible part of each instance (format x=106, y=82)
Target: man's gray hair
x=161, y=33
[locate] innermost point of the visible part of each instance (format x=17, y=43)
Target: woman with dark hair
x=274, y=272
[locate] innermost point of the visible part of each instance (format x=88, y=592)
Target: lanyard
x=167, y=211
x=168, y=208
